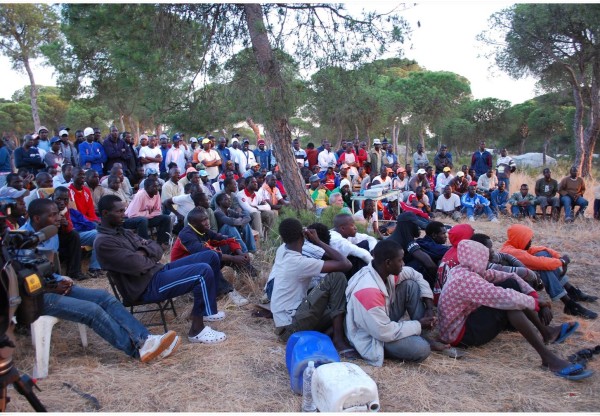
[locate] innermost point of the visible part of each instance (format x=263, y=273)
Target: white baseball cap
x=87, y=131
x=63, y=133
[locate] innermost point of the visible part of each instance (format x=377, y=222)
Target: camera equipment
x=23, y=273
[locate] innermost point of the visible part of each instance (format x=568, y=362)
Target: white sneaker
x=155, y=345
x=472, y=219
x=219, y=316
x=237, y=298
x=171, y=348
x=208, y=336
x=494, y=219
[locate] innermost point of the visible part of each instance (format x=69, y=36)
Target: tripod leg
x=24, y=386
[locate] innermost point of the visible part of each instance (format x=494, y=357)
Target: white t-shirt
x=359, y=217
x=146, y=151
x=447, y=204
x=210, y=156
x=292, y=273
x=184, y=204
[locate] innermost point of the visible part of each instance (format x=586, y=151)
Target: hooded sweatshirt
x=470, y=286
x=518, y=238
x=368, y=323
x=455, y=235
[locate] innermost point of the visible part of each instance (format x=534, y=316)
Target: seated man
x=450, y=260
x=420, y=201
x=474, y=204
x=477, y=304
x=145, y=211
x=448, y=204
x=85, y=228
x=103, y=313
x=359, y=254
x=499, y=199
x=368, y=217
x=82, y=195
x=197, y=237
x=522, y=203
x=548, y=263
x=259, y=210
x=67, y=243
x=134, y=261
x=434, y=242
x=546, y=190
x=324, y=306
x=318, y=193
x=270, y=193
x=117, y=169
x=44, y=189
x=378, y=296
x=571, y=189
x=186, y=202
x=234, y=224
x=488, y=183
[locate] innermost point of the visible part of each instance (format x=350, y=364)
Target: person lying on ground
x=477, y=304
x=294, y=307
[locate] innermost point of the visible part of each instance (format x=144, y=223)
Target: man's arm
x=338, y=262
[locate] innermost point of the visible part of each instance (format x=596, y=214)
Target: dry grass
x=247, y=373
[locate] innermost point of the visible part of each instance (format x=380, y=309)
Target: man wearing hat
x=224, y=153
x=91, y=153
x=460, y=184
x=28, y=156
x=15, y=217
x=67, y=148
x=116, y=151
x=236, y=155
x=193, y=148
x=248, y=158
x=43, y=143
x=205, y=184
x=420, y=180
x=54, y=157
x=143, y=142
x=376, y=157
x=262, y=155
x=176, y=154
x=384, y=176
x=318, y=193
x=443, y=179
x=164, y=149
x=210, y=159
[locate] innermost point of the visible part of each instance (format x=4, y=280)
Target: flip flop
x=349, y=354
x=574, y=372
x=453, y=352
x=566, y=330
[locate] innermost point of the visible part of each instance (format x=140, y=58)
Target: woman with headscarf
x=406, y=232
x=477, y=304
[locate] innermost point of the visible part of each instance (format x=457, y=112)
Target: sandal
x=208, y=336
x=219, y=316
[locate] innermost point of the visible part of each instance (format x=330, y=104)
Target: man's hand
x=566, y=259
x=62, y=287
x=428, y=322
x=545, y=313
x=240, y=259
x=311, y=235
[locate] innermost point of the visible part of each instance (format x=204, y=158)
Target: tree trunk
x=35, y=114
x=545, y=150
x=356, y=131
x=254, y=128
x=407, y=144
x=274, y=93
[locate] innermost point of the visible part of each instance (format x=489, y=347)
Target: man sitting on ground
x=259, y=210
x=359, y=254
x=82, y=195
x=378, y=296
x=474, y=204
x=477, y=304
x=499, y=199
x=233, y=223
x=134, y=261
x=522, y=203
x=448, y=204
x=548, y=263
x=434, y=242
x=324, y=306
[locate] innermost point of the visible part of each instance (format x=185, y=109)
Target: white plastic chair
x=41, y=334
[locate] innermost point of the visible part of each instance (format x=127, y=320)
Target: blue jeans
x=103, y=313
x=87, y=239
x=189, y=274
x=553, y=283
x=247, y=242
x=141, y=225
x=479, y=210
x=566, y=201
x=528, y=211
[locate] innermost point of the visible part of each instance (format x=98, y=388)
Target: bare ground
x=247, y=373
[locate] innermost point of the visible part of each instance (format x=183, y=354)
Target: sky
x=445, y=41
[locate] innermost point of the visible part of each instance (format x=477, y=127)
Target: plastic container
x=303, y=347
x=344, y=387
x=308, y=404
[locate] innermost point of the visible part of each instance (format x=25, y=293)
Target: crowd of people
x=210, y=201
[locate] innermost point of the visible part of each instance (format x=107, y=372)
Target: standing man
x=299, y=154
x=571, y=189
x=67, y=148
x=150, y=156
x=224, y=153
x=376, y=157
x=28, y=156
x=443, y=159
x=389, y=158
x=546, y=189
x=326, y=158
x=116, y=151
x=164, y=149
x=210, y=159
x=248, y=156
x=54, y=157
x=44, y=142
x=263, y=156
x=176, y=154
x=420, y=160
x=91, y=153
x=481, y=160
x=505, y=165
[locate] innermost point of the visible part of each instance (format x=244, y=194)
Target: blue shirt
x=48, y=245
x=498, y=198
x=263, y=157
x=468, y=201
x=92, y=153
x=5, y=159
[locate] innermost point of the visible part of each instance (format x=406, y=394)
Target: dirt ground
x=247, y=373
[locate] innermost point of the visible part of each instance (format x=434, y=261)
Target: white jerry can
x=344, y=387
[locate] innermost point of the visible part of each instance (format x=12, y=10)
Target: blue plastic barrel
x=303, y=347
